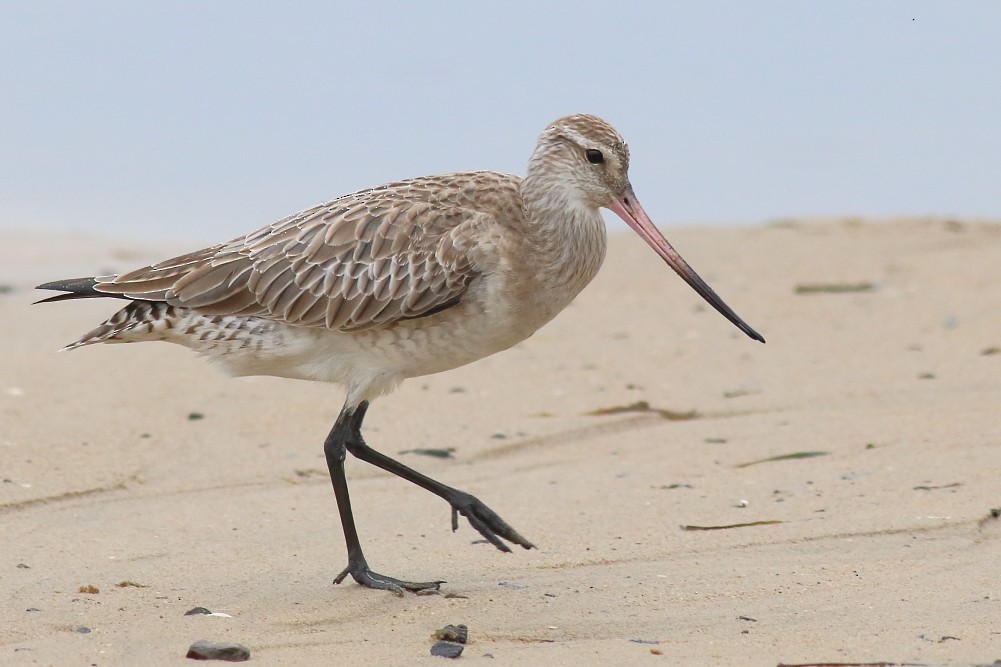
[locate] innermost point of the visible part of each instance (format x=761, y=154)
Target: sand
x=880, y=547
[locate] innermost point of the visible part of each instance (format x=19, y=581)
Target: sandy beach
x=696, y=498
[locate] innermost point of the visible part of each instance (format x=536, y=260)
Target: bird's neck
x=567, y=235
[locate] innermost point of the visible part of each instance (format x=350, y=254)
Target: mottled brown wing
x=394, y=252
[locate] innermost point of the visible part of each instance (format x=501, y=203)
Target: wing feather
x=394, y=252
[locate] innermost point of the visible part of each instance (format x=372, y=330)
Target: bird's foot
x=486, y=521
x=366, y=577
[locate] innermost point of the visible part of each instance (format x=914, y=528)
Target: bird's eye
x=594, y=156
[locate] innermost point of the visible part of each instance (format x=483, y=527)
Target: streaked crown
x=583, y=156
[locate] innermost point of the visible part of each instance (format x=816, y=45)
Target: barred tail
x=140, y=320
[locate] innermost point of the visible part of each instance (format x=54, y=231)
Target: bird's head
x=582, y=161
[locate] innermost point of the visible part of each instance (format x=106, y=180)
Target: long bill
x=628, y=208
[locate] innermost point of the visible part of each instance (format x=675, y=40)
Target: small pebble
x=438, y=453
x=452, y=633
x=206, y=650
x=197, y=610
x=23, y=566
x=513, y=585
x=83, y=630
x=447, y=649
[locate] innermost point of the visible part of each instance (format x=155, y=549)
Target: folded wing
x=356, y=262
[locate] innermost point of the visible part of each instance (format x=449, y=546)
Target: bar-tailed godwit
x=401, y=280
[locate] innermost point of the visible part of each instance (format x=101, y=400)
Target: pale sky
x=203, y=120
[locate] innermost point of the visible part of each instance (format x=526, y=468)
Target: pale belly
x=501, y=309
x=373, y=362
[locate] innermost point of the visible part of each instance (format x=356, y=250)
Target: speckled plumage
x=404, y=279
x=397, y=281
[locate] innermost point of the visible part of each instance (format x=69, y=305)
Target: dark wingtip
x=75, y=288
x=74, y=285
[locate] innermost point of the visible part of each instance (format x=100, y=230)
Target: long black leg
x=344, y=430
x=481, y=517
x=346, y=436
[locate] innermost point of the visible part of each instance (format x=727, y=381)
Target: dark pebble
x=447, y=649
x=196, y=611
x=83, y=630
x=33, y=609
x=23, y=566
x=438, y=453
x=206, y=650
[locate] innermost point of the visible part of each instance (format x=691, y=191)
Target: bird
x=405, y=279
